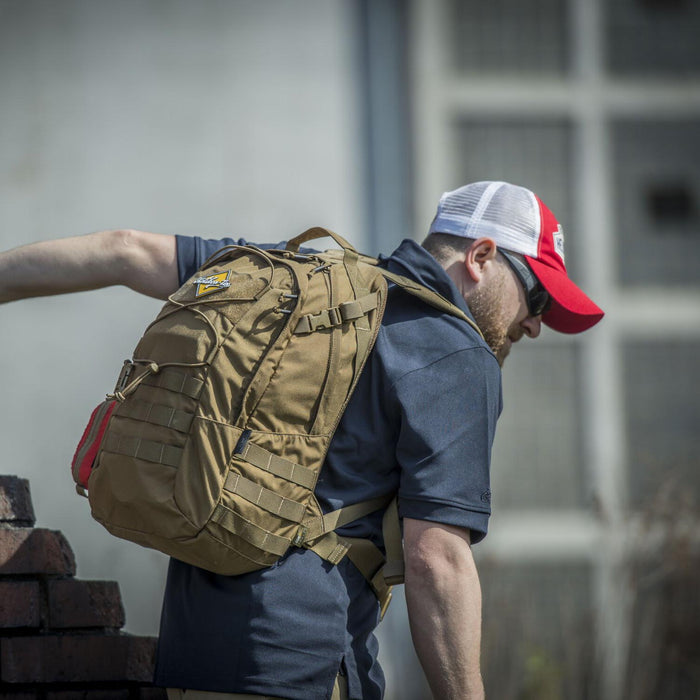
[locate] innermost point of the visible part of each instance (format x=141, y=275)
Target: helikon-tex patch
x=212, y=283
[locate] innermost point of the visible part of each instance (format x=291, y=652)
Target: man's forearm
x=143, y=261
x=443, y=596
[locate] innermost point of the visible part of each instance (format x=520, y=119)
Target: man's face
x=500, y=310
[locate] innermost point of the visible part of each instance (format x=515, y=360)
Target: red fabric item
x=571, y=311
x=89, y=444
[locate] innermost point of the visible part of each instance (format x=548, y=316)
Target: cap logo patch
x=558, y=237
x=212, y=283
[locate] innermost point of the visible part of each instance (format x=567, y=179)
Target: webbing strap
x=323, y=524
x=383, y=593
x=176, y=381
x=429, y=297
x=365, y=556
x=381, y=572
x=263, y=459
x=251, y=533
x=393, y=570
x=266, y=499
x=159, y=415
x=337, y=315
x=368, y=559
x=139, y=448
x=364, y=336
x=332, y=548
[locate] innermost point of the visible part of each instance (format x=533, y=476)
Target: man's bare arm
x=443, y=597
x=145, y=262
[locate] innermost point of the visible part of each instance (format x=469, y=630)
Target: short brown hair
x=444, y=246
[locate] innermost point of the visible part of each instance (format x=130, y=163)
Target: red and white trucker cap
x=517, y=220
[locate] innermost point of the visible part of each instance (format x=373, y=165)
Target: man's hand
x=145, y=262
x=443, y=596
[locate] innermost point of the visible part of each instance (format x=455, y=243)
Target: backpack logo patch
x=212, y=283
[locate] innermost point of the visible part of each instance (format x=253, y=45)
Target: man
x=421, y=422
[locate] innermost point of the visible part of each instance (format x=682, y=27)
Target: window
x=657, y=185
x=596, y=107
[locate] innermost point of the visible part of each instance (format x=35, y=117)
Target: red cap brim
x=571, y=311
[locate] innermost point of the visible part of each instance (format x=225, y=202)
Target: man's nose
x=532, y=325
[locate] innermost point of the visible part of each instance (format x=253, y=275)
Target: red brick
x=89, y=694
x=141, y=658
x=74, y=603
x=77, y=659
x=20, y=604
x=150, y=692
x=35, y=551
x=15, y=501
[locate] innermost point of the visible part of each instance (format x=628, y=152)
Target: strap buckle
x=300, y=537
x=124, y=375
x=384, y=603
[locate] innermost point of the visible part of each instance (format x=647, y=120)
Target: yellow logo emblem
x=212, y=283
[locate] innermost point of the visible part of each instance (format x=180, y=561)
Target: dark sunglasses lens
x=540, y=301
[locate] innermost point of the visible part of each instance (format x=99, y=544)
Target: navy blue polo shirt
x=421, y=422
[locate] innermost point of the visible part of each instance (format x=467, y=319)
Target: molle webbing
x=139, y=448
x=159, y=415
x=269, y=500
x=177, y=381
x=257, y=536
x=279, y=466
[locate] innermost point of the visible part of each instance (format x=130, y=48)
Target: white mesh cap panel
x=507, y=213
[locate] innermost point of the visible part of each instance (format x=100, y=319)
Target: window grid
x=592, y=96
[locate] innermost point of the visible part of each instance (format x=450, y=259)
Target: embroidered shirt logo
x=558, y=237
x=212, y=283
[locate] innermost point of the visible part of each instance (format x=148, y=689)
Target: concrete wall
x=215, y=117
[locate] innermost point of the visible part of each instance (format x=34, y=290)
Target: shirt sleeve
x=449, y=411
x=193, y=251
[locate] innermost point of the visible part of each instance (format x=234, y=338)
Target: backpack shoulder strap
x=429, y=297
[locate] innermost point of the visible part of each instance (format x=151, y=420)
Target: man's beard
x=486, y=305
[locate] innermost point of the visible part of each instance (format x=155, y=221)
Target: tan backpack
x=210, y=447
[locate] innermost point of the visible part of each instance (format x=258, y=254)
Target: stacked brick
x=60, y=637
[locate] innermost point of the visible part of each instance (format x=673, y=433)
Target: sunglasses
x=538, y=299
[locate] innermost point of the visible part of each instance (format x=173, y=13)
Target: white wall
x=212, y=117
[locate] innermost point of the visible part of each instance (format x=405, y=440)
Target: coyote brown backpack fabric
x=210, y=447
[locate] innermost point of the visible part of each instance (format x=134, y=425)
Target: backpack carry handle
x=318, y=232
x=350, y=255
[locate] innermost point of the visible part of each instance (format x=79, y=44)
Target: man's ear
x=481, y=252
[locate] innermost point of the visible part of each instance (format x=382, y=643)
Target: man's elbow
x=435, y=568
x=146, y=262
x=128, y=248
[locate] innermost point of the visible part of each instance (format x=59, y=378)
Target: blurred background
x=259, y=119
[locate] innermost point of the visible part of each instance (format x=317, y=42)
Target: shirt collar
x=414, y=261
